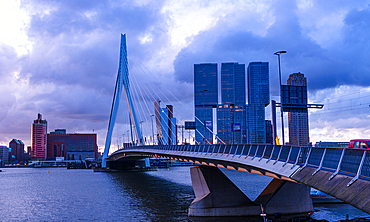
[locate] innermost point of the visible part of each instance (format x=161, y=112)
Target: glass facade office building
x=166, y=124
x=231, y=113
x=168, y=127
x=233, y=83
x=205, y=99
x=258, y=99
x=231, y=122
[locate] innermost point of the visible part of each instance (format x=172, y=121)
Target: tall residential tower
x=298, y=122
x=38, y=139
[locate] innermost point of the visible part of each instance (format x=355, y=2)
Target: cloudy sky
x=60, y=58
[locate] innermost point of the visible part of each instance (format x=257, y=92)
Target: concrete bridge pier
x=217, y=195
x=285, y=197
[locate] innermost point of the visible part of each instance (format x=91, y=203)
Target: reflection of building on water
x=87, y=163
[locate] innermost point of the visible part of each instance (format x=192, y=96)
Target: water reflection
x=164, y=195
x=162, y=200
x=71, y=195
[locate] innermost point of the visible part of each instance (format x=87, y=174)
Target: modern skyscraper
x=205, y=100
x=231, y=124
x=233, y=83
x=38, y=139
x=171, y=126
x=258, y=99
x=157, y=114
x=231, y=114
x=166, y=124
x=298, y=122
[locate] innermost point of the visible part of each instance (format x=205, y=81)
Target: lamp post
x=152, y=129
x=204, y=117
x=232, y=109
x=281, y=102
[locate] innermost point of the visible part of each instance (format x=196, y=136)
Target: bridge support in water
x=217, y=195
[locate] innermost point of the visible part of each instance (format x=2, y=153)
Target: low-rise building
x=4, y=155
x=16, y=151
x=71, y=146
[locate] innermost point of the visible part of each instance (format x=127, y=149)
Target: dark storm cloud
x=72, y=67
x=99, y=15
x=344, y=63
x=76, y=45
x=72, y=48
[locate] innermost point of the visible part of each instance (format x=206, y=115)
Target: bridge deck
x=340, y=172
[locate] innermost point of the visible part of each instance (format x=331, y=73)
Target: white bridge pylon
x=121, y=82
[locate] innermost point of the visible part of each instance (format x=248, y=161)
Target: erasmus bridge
x=343, y=173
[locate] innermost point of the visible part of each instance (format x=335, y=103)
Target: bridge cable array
x=142, y=90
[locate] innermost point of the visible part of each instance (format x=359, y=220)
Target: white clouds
x=14, y=22
x=146, y=38
x=331, y=132
x=187, y=18
x=344, y=116
x=91, y=14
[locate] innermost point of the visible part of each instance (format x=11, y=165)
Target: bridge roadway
x=340, y=172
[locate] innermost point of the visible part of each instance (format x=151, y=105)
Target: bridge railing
x=348, y=161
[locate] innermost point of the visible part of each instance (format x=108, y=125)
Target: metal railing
x=348, y=161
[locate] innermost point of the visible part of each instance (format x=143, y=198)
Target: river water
x=58, y=194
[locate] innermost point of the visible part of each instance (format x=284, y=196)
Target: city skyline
x=61, y=59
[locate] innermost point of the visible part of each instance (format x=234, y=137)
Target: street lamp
x=204, y=118
x=281, y=102
x=232, y=109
